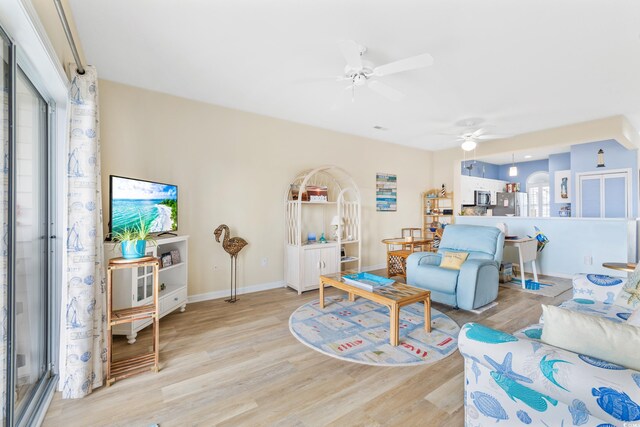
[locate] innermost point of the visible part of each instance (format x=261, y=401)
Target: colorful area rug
x=359, y=332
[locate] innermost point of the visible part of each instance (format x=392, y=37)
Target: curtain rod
x=67, y=31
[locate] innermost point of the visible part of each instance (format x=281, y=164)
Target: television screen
x=133, y=200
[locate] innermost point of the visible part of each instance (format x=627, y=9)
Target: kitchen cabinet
x=470, y=184
x=319, y=259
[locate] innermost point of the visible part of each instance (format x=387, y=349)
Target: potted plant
x=133, y=241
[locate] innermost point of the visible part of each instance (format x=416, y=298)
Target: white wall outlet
x=264, y=262
x=588, y=260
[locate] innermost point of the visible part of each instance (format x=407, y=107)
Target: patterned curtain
x=4, y=223
x=85, y=301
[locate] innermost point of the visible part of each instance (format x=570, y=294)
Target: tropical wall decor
x=386, y=192
x=562, y=186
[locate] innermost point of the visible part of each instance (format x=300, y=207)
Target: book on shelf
x=367, y=281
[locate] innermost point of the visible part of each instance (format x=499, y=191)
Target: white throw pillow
x=592, y=336
x=634, y=319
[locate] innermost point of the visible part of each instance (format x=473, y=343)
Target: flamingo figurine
x=231, y=245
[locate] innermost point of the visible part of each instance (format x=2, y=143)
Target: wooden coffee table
x=393, y=296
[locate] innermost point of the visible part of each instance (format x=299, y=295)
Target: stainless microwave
x=482, y=198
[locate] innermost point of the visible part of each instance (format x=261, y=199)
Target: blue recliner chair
x=476, y=283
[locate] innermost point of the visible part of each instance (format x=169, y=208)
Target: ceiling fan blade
x=478, y=133
x=351, y=52
x=386, y=91
x=321, y=79
x=412, y=63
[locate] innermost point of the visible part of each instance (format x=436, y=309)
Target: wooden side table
x=136, y=364
x=397, y=258
x=620, y=266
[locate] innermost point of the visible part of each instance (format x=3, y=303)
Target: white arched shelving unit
x=305, y=262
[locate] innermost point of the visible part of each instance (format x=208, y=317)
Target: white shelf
x=317, y=203
x=304, y=263
x=349, y=259
x=180, y=264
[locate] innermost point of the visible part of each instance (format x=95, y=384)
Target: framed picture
x=386, y=192
x=175, y=256
x=165, y=260
x=562, y=186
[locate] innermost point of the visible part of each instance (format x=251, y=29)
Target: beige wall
x=233, y=167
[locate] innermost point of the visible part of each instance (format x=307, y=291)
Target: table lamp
x=336, y=222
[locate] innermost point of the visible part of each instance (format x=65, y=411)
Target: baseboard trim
x=244, y=290
x=257, y=288
x=374, y=267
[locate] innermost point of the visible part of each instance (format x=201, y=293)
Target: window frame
x=540, y=206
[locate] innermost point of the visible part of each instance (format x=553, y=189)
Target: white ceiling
x=520, y=65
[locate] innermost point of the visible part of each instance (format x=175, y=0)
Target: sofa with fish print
x=516, y=380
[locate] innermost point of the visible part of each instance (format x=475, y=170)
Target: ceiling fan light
x=468, y=145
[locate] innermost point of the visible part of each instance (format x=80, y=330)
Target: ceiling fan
x=470, y=138
x=360, y=72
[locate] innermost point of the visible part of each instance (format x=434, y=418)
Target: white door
x=604, y=195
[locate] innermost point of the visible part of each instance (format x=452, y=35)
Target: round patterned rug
x=359, y=332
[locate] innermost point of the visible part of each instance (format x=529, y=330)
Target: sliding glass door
x=31, y=244
x=5, y=132
x=25, y=282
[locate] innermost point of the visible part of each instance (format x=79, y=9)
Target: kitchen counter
x=576, y=245
x=553, y=218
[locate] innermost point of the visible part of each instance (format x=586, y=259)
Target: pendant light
x=513, y=170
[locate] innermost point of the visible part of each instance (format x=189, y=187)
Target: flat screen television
x=132, y=200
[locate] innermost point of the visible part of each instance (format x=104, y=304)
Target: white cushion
x=592, y=336
x=597, y=287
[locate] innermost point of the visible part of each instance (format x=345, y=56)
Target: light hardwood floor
x=238, y=365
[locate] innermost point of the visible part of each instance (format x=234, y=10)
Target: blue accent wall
x=558, y=162
x=584, y=158
x=524, y=170
x=490, y=170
